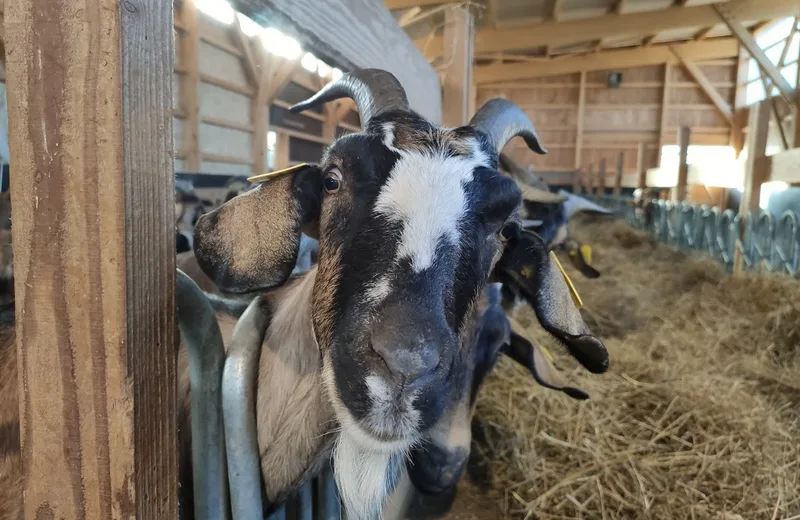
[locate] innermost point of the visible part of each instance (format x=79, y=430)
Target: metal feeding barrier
x=768, y=244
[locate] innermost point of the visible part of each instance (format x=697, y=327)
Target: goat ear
x=527, y=267
x=251, y=242
x=534, y=358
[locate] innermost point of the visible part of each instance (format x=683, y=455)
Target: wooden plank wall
x=225, y=99
x=616, y=119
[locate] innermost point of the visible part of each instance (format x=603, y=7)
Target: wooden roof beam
x=722, y=106
x=556, y=33
x=405, y=4
x=616, y=59
x=731, y=19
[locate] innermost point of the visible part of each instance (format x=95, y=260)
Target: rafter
x=703, y=33
x=618, y=59
x=731, y=19
x=409, y=16
x=405, y=4
x=722, y=106
x=629, y=24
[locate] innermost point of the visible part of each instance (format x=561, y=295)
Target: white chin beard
x=365, y=477
x=365, y=468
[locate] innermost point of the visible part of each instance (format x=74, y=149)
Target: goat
x=548, y=214
x=363, y=353
x=437, y=463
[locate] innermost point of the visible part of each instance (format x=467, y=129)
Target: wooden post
x=600, y=182
x=618, y=178
x=579, y=130
x=281, y=150
x=190, y=82
x=664, y=109
x=459, y=28
x=640, y=169
x=588, y=180
x=90, y=99
x=757, y=131
x=683, y=165
x=577, y=180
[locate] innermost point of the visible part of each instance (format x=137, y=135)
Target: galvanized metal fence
x=769, y=243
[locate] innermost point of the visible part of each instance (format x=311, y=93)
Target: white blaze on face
x=426, y=192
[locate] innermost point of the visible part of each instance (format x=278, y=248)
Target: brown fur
x=294, y=418
x=256, y=236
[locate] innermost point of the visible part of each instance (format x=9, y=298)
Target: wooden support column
x=664, y=106
x=579, y=131
x=190, y=82
x=459, y=28
x=757, y=132
x=588, y=180
x=640, y=168
x=600, y=181
x=90, y=100
x=577, y=182
x=618, y=177
x=683, y=165
x=281, y=150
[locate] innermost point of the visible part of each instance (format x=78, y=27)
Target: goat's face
x=438, y=462
x=409, y=231
x=409, y=218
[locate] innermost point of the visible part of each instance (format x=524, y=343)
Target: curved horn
x=375, y=91
x=576, y=203
x=502, y=121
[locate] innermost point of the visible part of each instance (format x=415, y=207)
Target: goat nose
x=409, y=363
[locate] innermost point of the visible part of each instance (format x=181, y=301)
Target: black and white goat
x=437, y=463
x=548, y=213
x=364, y=353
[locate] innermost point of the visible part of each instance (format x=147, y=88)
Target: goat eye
x=333, y=181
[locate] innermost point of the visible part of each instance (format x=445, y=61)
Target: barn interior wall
x=616, y=120
x=226, y=131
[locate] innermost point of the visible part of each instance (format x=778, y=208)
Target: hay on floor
x=696, y=419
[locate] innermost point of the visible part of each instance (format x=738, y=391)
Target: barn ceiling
x=514, y=31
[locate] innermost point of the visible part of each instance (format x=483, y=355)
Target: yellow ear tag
x=587, y=253
x=264, y=177
x=573, y=292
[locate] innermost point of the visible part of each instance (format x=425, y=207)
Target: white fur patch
x=379, y=290
x=426, y=193
x=383, y=414
x=362, y=476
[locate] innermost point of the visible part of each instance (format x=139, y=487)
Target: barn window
x=773, y=41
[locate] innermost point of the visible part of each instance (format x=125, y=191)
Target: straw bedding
x=696, y=419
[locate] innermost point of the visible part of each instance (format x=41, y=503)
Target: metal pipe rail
x=769, y=244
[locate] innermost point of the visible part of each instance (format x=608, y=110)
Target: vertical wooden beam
x=577, y=182
x=579, y=130
x=600, y=181
x=679, y=194
x=664, y=105
x=459, y=29
x=281, y=151
x=588, y=180
x=757, y=133
x=190, y=82
x=90, y=98
x=748, y=42
x=640, y=168
x=618, y=178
